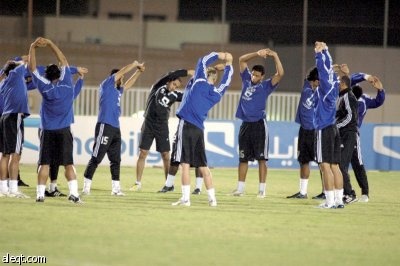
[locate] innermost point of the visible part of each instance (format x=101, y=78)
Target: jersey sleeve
x=203, y=63
x=225, y=81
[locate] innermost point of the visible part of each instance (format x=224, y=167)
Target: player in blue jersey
x=305, y=145
x=253, y=134
x=188, y=147
x=327, y=133
x=15, y=109
x=365, y=102
x=56, y=115
x=163, y=94
x=108, y=132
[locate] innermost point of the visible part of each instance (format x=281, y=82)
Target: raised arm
x=129, y=83
x=125, y=70
x=278, y=65
x=246, y=57
x=380, y=95
x=39, y=42
x=60, y=56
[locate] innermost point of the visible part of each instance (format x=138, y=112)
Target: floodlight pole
x=304, y=46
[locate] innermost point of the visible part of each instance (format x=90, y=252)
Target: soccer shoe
x=261, y=194
x=181, y=202
x=364, y=198
x=324, y=205
x=347, y=199
x=85, y=192
x=340, y=206
x=40, y=199
x=117, y=193
x=55, y=193
x=166, y=189
x=75, y=199
x=237, y=193
x=136, y=187
x=18, y=195
x=297, y=195
x=22, y=183
x=212, y=203
x=319, y=196
x=196, y=191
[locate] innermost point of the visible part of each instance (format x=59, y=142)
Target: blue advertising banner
x=380, y=143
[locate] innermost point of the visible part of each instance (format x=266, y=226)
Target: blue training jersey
x=202, y=96
x=305, y=110
x=56, y=111
x=109, y=102
x=253, y=99
x=14, y=92
x=326, y=93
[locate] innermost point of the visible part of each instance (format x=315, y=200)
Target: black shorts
x=12, y=133
x=188, y=146
x=56, y=147
x=328, y=145
x=305, y=146
x=107, y=141
x=253, y=141
x=153, y=130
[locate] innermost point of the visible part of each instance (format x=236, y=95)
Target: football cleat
x=166, y=189
x=297, y=195
x=196, y=191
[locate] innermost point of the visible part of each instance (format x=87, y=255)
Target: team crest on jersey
x=247, y=95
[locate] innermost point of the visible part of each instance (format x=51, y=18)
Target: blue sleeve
x=201, y=68
x=325, y=74
x=356, y=78
x=73, y=70
x=78, y=87
x=41, y=70
x=372, y=103
x=226, y=80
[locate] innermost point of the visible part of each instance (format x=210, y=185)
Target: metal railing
x=280, y=106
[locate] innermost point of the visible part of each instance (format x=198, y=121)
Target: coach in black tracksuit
x=346, y=120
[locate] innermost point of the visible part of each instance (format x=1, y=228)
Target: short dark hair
x=259, y=68
x=9, y=66
x=357, y=90
x=113, y=71
x=313, y=74
x=346, y=80
x=52, y=72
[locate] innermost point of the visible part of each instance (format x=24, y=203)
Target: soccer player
x=107, y=132
x=365, y=102
x=305, y=145
x=253, y=134
x=188, y=147
x=56, y=116
x=15, y=109
x=327, y=133
x=163, y=94
x=346, y=120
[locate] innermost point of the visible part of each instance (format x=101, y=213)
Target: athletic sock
x=261, y=187
x=13, y=186
x=199, y=182
x=73, y=187
x=211, y=194
x=40, y=191
x=4, y=186
x=339, y=196
x=87, y=183
x=115, y=185
x=186, y=192
x=52, y=187
x=241, y=185
x=170, y=180
x=330, y=197
x=303, y=186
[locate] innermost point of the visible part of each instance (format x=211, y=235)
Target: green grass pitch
x=143, y=228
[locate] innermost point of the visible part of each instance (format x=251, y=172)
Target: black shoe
x=340, y=206
x=22, y=183
x=74, y=199
x=298, y=195
x=347, y=199
x=166, y=189
x=320, y=196
x=55, y=193
x=197, y=191
x=40, y=199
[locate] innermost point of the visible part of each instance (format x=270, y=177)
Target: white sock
x=170, y=180
x=339, y=196
x=240, y=187
x=4, y=186
x=52, y=186
x=186, y=192
x=303, y=186
x=330, y=197
x=73, y=187
x=87, y=183
x=211, y=194
x=261, y=187
x=138, y=183
x=13, y=186
x=115, y=185
x=40, y=191
x=199, y=182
